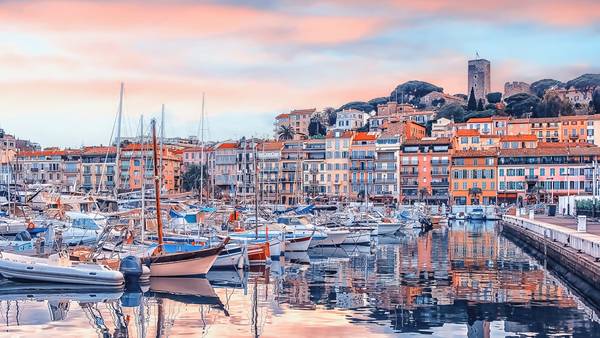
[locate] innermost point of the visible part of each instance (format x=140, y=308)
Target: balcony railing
x=409, y=173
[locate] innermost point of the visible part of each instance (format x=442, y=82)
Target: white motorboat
x=297, y=243
x=358, y=238
x=333, y=238
x=57, y=268
x=183, y=263
x=230, y=257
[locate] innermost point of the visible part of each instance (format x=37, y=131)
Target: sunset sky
x=61, y=61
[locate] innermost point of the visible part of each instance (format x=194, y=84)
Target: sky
x=61, y=62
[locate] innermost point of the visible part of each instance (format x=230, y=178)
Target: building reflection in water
x=465, y=280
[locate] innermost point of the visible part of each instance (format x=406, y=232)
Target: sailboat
x=187, y=263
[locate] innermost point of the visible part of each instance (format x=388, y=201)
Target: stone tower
x=479, y=78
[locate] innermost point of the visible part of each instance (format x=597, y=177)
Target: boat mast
x=255, y=190
x=202, y=153
x=162, y=140
x=118, y=142
x=157, y=187
x=143, y=188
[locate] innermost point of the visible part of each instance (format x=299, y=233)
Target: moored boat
x=57, y=268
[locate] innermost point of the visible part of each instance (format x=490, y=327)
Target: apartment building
x=291, y=177
x=362, y=165
x=52, y=166
x=544, y=173
x=315, y=179
x=387, y=150
x=424, y=170
x=224, y=170
x=350, y=119
x=337, y=162
x=136, y=166
x=8, y=151
x=473, y=177
x=297, y=120
x=98, y=165
x=269, y=156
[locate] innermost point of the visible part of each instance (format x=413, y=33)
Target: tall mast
x=202, y=152
x=143, y=189
x=162, y=140
x=255, y=190
x=118, y=142
x=157, y=187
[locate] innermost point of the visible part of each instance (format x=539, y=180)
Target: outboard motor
x=24, y=236
x=131, y=268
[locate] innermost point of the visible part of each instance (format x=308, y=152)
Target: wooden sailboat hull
x=298, y=243
x=191, y=263
x=259, y=253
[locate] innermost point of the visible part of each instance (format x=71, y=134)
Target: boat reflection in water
x=462, y=280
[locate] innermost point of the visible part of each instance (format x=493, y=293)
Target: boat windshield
x=293, y=220
x=85, y=223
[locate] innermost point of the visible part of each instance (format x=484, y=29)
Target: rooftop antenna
x=476, y=54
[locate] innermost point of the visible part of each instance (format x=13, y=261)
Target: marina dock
x=573, y=253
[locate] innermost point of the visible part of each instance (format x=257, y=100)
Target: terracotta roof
x=479, y=119
x=563, y=145
x=197, y=149
x=45, y=152
x=270, y=146
x=518, y=138
x=343, y=134
x=282, y=116
x=99, y=150
x=428, y=141
x=227, y=145
x=467, y=132
x=474, y=153
x=303, y=111
x=550, y=151
x=364, y=136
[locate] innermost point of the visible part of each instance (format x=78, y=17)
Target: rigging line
x=107, y=151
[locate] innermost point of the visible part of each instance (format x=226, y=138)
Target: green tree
x=315, y=127
x=494, y=97
x=452, y=111
x=552, y=106
x=192, y=177
x=285, y=133
x=472, y=104
x=438, y=102
x=480, y=105
x=521, y=104
x=595, y=104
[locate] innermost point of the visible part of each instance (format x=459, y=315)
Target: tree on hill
x=494, y=97
x=472, y=104
x=553, y=106
x=584, y=82
x=595, y=104
x=452, y=111
x=539, y=87
x=412, y=91
x=358, y=105
x=378, y=100
x=521, y=104
x=330, y=116
x=462, y=96
x=315, y=127
x=480, y=105
x=438, y=102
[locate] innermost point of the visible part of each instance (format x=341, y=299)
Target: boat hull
x=229, y=258
x=298, y=244
x=333, y=239
x=193, y=263
x=358, y=238
x=387, y=229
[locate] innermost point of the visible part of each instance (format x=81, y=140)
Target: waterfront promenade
x=593, y=227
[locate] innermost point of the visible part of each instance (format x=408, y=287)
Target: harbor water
x=465, y=280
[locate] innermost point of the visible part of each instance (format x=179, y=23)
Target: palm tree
x=285, y=133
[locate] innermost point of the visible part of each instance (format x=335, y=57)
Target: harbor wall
x=573, y=253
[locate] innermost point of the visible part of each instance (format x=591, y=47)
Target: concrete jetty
x=576, y=252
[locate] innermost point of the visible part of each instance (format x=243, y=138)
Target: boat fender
x=30, y=225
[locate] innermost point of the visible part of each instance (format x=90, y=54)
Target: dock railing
x=580, y=241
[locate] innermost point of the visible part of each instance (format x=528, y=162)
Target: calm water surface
x=463, y=281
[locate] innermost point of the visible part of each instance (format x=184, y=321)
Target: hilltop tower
x=479, y=78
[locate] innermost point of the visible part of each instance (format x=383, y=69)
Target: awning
x=507, y=195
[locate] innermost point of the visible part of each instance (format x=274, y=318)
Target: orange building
x=473, y=177
x=424, y=168
x=133, y=158
x=467, y=139
x=362, y=165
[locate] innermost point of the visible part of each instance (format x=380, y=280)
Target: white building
x=350, y=119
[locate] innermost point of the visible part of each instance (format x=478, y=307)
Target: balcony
x=385, y=181
x=362, y=168
x=409, y=173
x=439, y=173
x=404, y=183
x=439, y=183
x=531, y=178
